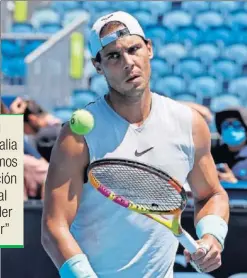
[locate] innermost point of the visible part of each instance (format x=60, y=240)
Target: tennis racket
x=146, y=190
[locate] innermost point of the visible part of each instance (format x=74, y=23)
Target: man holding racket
x=85, y=234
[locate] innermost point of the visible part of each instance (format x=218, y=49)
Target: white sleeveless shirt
x=119, y=242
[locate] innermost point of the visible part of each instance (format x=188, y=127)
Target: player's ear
x=150, y=48
x=97, y=66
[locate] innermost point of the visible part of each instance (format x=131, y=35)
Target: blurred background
x=200, y=57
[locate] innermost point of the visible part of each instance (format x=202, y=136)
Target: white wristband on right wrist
x=214, y=225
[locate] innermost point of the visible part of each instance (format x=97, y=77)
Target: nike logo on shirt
x=143, y=152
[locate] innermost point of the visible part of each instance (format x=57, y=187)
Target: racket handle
x=188, y=242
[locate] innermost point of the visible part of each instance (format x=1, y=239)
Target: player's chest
x=157, y=149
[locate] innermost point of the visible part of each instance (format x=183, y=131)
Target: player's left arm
x=211, y=200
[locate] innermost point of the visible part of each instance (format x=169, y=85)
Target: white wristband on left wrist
x=213, y=225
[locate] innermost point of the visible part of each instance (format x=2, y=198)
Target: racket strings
x=139, y=186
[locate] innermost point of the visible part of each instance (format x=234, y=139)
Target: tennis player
x=84, y=233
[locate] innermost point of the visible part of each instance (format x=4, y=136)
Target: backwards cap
x=132, y=28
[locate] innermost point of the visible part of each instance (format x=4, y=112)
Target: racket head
x=116, y=179
x=127, y=183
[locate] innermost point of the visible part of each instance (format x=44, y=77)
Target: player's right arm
x=63, y=190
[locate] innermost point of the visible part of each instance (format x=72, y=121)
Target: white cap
x=132, y=28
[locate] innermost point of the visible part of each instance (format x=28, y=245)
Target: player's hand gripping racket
x=144, y=189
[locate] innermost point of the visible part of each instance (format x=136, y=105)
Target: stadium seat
x=189, y=67
x=240, y=36
x=44, y=15
x=159, y=35
x=225, y=7
x=22, y=27
x=10, y=48
x=145, y=18
x=5, y=66
x=70, y=5
x=89, y=7
x=237, y=52
x=127, y=6
x=221, y=35
x=195, y=7
x=80, y=98
x=176, y=19
x=238, y=20
x=188, y=35
x=185, y=97
x=63, y=6
x=63, y=113
x=205, y=86
x=172, y=52
x=98, y=84
x=206, y=52
x=157, y=86
x=99, y=5
x=71, y=15
x=160, y=68
x=31, y=45
x=208, y=19
x=170, y=85
x=157, y=8
x=49, y=28
x=224, y=69
x=17, y=67
x=225, y=101
x=238, y=86
x=245, y=6
x=156, y=48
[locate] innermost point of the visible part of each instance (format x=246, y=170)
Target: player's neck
x=135, y=111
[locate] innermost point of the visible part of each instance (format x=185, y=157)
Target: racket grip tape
x=188, y=242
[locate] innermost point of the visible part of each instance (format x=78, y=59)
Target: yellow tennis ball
x=81, y=122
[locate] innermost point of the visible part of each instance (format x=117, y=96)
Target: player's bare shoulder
x=70, y=148
x=200, y=131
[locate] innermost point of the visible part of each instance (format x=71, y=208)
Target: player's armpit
x=62, y=195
